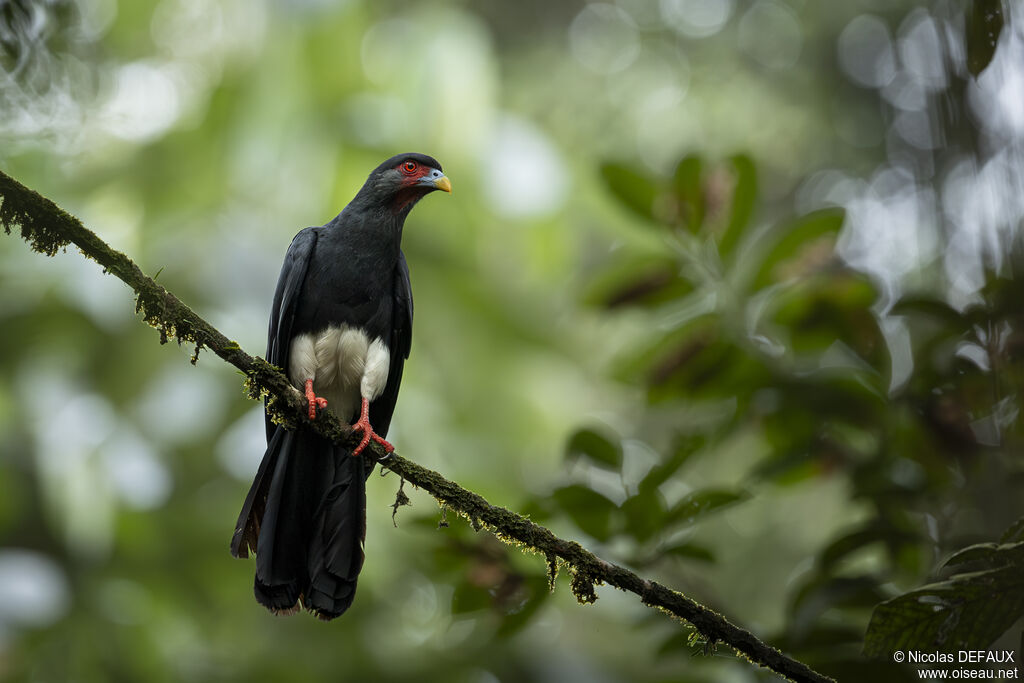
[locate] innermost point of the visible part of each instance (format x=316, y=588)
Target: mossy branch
x=48, y=229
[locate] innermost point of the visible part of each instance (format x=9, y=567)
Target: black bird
x=341, y=328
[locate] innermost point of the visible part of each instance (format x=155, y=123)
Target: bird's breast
x=344, y=364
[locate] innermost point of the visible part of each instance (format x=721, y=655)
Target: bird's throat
x=406, y=198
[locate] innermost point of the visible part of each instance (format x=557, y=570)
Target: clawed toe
x=314, y=400
x=363, y=425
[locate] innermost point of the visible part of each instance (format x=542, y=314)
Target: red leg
x=363, y=424
x=314, y=400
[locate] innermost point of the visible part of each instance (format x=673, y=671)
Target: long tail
x=305, y=519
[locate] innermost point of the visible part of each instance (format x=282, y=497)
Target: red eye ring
x=409, y=167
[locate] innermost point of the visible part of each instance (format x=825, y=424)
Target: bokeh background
x=728, y=290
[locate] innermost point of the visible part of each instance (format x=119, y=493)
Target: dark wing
x=401, y=332
x=286, y=301
x=399, y=345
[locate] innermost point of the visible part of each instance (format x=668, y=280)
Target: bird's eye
x=409, y=166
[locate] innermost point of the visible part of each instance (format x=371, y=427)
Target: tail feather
x=336, y=546
x=305, y=518
x=247, y=528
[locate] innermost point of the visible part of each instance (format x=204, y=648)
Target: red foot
x=363, y=424
x=314, y=400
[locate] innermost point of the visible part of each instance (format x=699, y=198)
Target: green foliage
x=766, y=324
x=591, y=511
x=792, y=240
x=633, y=189
x=744, y=200
x=598, y=448
x=969, y=610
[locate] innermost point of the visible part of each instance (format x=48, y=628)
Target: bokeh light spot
x=604, y=38
x=696, y=18
x=33, y=589
x=529, y=178
x=866, y=52
x=771, y=35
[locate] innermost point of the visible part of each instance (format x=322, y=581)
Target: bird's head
x=403, y=180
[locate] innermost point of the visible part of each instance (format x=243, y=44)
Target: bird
x=341, y=329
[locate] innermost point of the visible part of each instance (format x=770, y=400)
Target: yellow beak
x=443, y=183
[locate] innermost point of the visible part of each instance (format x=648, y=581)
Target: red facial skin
x=411, y=173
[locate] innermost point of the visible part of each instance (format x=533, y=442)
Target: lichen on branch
x=48, y=229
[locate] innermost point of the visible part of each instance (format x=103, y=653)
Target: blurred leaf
x=690, y=551
x=645, y=515
x=470, y=598
x=829, y=311
x=1015, y=533
x=674, y=353
x=990, y=554
x=823, y=593
x=794, y=237
x=689, y=192
x=633, y=189
x=538, y=593
x=704, y=364
x=930, y=307
x=638, y=282
x=663, y=354
x=744, y=196
x=984, y=24
x=603, y=451
x=587, y=508
x=969, y=610
x=874, y=532
x=685, y=447
x=701, y=503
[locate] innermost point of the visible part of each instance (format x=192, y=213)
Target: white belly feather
x=344, y=365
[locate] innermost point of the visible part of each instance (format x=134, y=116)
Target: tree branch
x=48, y=229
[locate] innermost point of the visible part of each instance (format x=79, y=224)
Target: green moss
x=583, y=587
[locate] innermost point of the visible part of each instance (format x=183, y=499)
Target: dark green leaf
x=991, y=555
x=863, y=537
x=700, y=503
x=688, y=191
x=470, y=598
x=690, y=551
x=645, y=515
x=638, y=282
x=1014, y=533
x=967, y=611
x=831, y=307
x=984, y=24
x=744, y=195
x=932, y=308
x=685, y=447
x=599, y=449
x=633, y=189
x=823, y=593
x=590, y=511
x=790, y=239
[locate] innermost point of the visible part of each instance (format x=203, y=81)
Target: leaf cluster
x=760, y=326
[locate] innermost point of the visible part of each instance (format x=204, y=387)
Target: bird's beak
x=443, y=183
x=436, y=180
